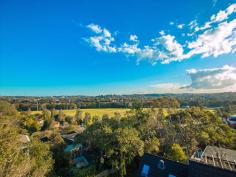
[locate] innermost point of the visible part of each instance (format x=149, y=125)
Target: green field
x=109, y=111
x=100, y=112
x=93, y=112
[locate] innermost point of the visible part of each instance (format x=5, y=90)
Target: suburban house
x=212, y=162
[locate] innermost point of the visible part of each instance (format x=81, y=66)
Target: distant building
x=212, y=162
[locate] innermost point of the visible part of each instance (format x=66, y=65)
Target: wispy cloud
x=224, y=14
x=167, y=87
x=95, y=28
x=214, y=3
x=214, y=38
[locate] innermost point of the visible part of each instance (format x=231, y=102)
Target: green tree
x=117, y=147
x=87, y=119
x=61, y=116
x=177, y=153
x=69, y=119
x=17, y=158
x=152, y=145
x=129, y=146
x=79, y=117
x=7, y=109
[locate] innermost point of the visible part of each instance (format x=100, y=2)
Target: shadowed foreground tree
x=18, y=159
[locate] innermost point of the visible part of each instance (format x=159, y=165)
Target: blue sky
x=91, y=47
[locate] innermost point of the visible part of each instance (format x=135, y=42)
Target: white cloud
x=106, y=33
x=223, y=14
x=212, y=80
x=207, y=25
x=193, y=24
x=133, y=37
x=223, y=78
x=166, y=49
x=95, y=28
x=103, y=39
x=174, y=49
x=180, y=26
x=215, y=42
x=162, y=32
x=214, y=38
x=129, y=49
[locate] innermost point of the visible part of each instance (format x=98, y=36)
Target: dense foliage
x=120, y=140
x=18, y=159
x=114, y=143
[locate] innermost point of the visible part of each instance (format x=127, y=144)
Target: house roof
x=218, y=152
x=70, y=136
x=218, y=157
x=153, y=166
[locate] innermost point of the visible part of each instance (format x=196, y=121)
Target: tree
x=152, y=145
x=46, y=114
x=69, y=119
x=117, y=146
x=53, y=113
x=84, y=172
x=177, y=153
x=7, y=109
x=79, y=117
x=41, y=162
x=61, y=116
x=129, y=146
x=87, y=119
x=31, y=125
x=18, y=159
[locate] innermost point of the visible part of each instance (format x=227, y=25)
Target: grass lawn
x=94, y=112
x=110, y=111
x=100, y=112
